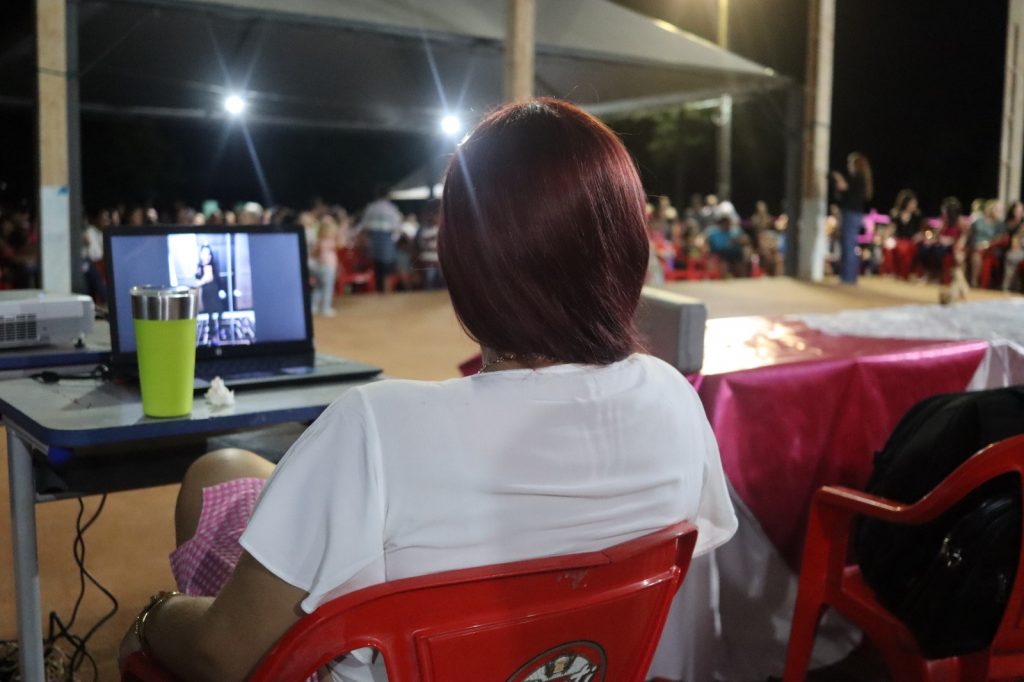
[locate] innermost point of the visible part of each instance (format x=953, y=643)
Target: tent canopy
x=374, y=64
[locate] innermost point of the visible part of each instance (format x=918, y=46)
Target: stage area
x=410, y=335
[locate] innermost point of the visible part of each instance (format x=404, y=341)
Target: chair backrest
x=1003, y=457
x=581, y=618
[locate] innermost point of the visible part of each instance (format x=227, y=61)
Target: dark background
x=918, y=88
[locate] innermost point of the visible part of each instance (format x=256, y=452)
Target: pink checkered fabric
x=202, y=564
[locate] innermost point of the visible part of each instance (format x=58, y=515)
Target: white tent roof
x=596, y=27
x=376, y=64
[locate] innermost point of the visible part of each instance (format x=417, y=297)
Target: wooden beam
x=1011, y=146
x=817, y=138
x=724, y=174
x=519, y=49
x=54, y=158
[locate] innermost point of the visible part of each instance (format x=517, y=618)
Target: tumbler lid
x=164, y=303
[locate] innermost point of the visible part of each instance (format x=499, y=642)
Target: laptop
x=254, y=326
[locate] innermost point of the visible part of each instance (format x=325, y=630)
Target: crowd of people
x=709, y=240
x=381, y=249
x=981, y=249
x=378, y=248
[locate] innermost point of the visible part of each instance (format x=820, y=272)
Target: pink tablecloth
x=803, y=409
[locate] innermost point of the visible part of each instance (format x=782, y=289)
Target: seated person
x=568, y=440
x=985, y=231
x=726, y=240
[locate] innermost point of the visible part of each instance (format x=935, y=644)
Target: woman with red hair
x=569, y=439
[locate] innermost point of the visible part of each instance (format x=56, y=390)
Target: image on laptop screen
x=220, y=267
x=250, y=283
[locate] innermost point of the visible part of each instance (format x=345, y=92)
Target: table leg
x=26, y=559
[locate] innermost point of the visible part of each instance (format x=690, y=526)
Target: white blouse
x=404, y=478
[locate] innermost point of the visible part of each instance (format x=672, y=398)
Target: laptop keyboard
x=252, y=368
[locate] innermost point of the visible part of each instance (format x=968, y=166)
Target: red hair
x=543, y=241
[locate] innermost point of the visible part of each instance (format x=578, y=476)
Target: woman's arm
x=207, y=276
x=222, y=639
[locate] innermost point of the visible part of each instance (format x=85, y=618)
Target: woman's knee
x=209, y=470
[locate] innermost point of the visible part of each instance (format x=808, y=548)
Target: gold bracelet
x=140, y=620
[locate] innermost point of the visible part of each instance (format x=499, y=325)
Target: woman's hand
x=841, y=184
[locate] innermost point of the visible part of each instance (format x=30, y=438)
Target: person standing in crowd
x=250, y=213
x=382, y=221
x=426, y=243
x=410, y=225
x=853, y=193
x=325, y=260
x=92, y=254
x=709, y=213
x=694, y=209
x=135, y=216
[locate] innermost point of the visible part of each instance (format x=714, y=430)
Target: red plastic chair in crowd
x=904, y=255
x=693, y=269
x=351, y=272
x=827, y=580
x=597, y=615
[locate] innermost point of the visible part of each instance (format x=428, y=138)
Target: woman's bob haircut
x=543, y=241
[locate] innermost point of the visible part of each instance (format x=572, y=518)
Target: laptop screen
x=250, y=281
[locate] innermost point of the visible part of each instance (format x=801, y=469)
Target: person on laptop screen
x=208, y=281
x=568, y=440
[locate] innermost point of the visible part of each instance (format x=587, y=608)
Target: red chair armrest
x=850, y=502
x=995, y=460
x=141, y=668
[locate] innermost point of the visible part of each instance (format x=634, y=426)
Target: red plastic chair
x=599, y=611
x=826, y=580
x=352, y=272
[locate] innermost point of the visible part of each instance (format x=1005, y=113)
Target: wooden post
x=817, y=137
x=724, y=184
x=1012, y=141
x=794, y=147
x=59, y=198
x=519, y=48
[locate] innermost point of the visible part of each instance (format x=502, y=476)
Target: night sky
x=918, y=88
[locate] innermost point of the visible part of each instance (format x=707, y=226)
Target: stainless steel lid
x=164, y=303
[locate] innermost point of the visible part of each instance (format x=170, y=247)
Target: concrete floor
x=410, y=335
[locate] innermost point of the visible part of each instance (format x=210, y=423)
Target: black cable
x=58, y=630
x=81, y=653
x=51, y=377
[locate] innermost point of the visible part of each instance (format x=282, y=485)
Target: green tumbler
x=165, y=341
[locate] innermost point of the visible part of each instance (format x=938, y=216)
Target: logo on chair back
x=570, y=662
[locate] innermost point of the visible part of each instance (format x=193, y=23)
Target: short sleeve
x=319, y=522
x=716, y=518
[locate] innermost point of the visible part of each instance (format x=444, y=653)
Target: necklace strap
x=502, y=358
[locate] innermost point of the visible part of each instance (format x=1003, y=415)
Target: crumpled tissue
x=218, y=394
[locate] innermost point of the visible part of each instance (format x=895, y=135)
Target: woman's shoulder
x=639, y=371
x=662, y=374
x=399, y=393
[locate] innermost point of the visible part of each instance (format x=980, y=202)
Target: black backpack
x=948, y=580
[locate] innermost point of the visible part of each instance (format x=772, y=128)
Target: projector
x=672, y=327
x=30, y=317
